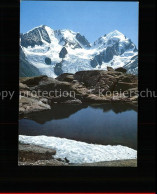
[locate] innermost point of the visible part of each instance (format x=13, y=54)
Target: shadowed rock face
x=105, y=56
x=27, y=69
x=33, y=37
x=32, y=81
x=63, y=52
x=132, y=65
x=111, y=50
x=97, y=80
x=58, y=69
x=67, y=77
x=110, y=69
x=99, y=58
x=82, y=40
x=121, y=69
x=94, y=62
x=48, y=61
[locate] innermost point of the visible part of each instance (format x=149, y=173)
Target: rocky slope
x=26, y=68
x=41, y=92
x=45, y=51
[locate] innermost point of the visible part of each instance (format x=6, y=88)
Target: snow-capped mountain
x=53, y=52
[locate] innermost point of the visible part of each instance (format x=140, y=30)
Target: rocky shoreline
x=97, y=86
x=32, y=155
x=83, y=87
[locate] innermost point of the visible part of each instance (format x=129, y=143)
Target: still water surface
x=106, y=124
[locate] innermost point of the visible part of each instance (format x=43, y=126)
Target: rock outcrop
x=30, y=104
x=121, y=69
x=58, y=69
x=110, y=69
x=27, y=69
x=34, y=37
x=41, y=92
x=48, y=61
x=33, y=152
x=67, y=77
x=63, y=52
x=32, y=155
x=83, y=40
x=28, y=101
x=43, y=45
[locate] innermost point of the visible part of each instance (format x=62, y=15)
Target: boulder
x=34, y=153
x=30, y=105
x=75, y=101
x=32, y=81
x=110, y=68
x=121, y=69
x=97, y=80
x=50, y=84
x=23, y=86
x=67, y=77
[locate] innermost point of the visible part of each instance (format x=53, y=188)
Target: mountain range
x=44, y=51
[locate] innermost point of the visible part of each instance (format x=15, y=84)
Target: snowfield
x=81, y=152
x=79, y=55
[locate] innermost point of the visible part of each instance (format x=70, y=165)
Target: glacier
x=113, y=49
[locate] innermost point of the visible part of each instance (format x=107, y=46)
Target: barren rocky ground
x=41, y=92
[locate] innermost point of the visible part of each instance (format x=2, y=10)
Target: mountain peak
x=36, y=36
x=67, y=30
x=108, y=39
x=43, y=43
x=115, y=33
x=37, y=27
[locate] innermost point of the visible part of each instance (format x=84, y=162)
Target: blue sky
x=91, y=18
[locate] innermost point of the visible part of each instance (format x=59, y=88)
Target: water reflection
x=105, y=124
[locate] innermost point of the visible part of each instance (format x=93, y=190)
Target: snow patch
x=81, y=152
